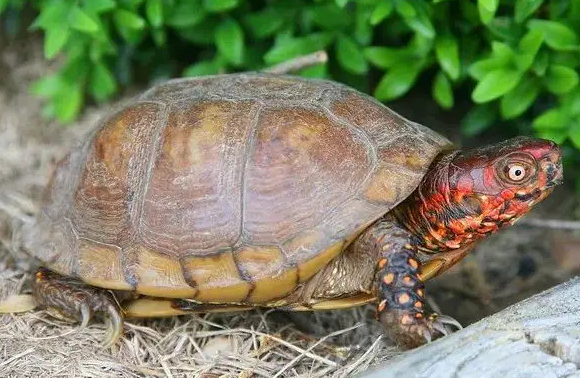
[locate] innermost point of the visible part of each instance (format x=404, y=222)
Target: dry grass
x=246, y=344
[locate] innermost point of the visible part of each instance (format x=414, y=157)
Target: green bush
x=517, y=59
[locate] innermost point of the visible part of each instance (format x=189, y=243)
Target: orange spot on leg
x=382, y=305
x=404, y=298
x=414, y=263
x=389, y=278
x=420, y=292
x=382, y=263
x=418, y=304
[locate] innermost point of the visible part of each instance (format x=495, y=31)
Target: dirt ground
x=504, y=269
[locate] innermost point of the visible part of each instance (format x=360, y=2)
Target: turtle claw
x=73, y=300
x=435, y=326
x=427, y=336
x=115, y=329
x=449, y=320
x=440, y=322
x=85, y=315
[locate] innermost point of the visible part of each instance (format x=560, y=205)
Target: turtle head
x=516, y=173
x=470, y=194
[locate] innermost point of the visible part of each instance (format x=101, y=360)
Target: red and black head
x=522, y=169
x=470, y=194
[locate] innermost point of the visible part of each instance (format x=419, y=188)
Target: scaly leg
x=401, y=294
x=73, y=299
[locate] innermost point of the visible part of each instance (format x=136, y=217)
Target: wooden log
x=537, y=337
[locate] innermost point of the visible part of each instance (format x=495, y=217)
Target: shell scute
x=105, y=202
x=301, y=166
x=192, y=204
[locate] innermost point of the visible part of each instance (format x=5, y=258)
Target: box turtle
x=236, y=191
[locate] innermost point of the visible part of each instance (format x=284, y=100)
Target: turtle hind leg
x=69, y=298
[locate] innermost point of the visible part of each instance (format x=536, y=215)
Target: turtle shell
x=229, y=188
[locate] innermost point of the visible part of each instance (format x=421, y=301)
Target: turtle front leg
x=69, y=298
x=400, y=292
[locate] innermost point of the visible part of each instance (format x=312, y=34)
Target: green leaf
x=229, y=39
x=350, y=56
x=529, y=46
x=46, y=87
x=383, y=57
x=478, y=119
x=565, y=58
x=397, y=81
x=552, y=119
x=540, y=65
x=504, y=29
x=442, y=91
x=218, y=6
x=55, y=39
x=186, y=14
x=502, y=51
x=132, y=4
x=487, y=9
x=447, y=52
x=405, y=9
x=159, y=37
x=557, y=35
x=206, y=67
x=574, y=133
x=264, y=24
x=560, y=79
x=329, y=17
x=363, y=30
x=478, y=70
x=3, y=4
x=54, y=14
x=154, y=11
x=524, y=8
x=201, y=34
x=420, y=46
x=76, y=70
x=341, y=3
x=489, y=5
x=68, y=102
x=102, y=84
x=382, y=10
x=557, y=136
x=571, y=102
x=519, y=99
x=285, y=49
x=98, y=6
x=495, y=84
x=130, y=20
x=421, y=24
x=558, y=9
x=80, y=21
x=319, y=71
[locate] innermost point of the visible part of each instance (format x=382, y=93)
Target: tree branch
x=299, y=63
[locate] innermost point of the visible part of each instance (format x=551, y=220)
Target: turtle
x=238, y=191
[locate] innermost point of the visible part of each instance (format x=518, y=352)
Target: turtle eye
x=516, y=172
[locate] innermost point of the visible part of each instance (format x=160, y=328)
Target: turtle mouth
x=533, y=195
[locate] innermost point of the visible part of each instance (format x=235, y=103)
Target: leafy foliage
x=517, y=59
